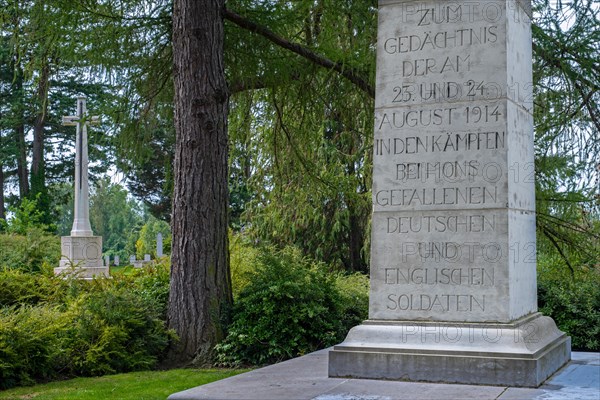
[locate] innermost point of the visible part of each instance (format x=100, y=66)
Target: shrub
x=574, y=304
x=243, y=261
x=30, y=344
x=289, y=308
x=354, y=292
x=114, y=331
x=572, y=299
x=151, y=284
x=53, y=327
x=29, y=252
x=19, y=288
x=25, y=217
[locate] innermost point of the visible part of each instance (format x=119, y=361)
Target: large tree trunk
x=200, y=289
x=356, y=241
x=22, y=171
x=2, y=209
x=38, y=178
x=21, y=145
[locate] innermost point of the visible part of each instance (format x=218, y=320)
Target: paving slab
x=306, y=378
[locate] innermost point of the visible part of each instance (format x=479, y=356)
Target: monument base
x=82, y=256
x=522, y=353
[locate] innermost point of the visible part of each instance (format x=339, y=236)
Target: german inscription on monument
x=452, y=128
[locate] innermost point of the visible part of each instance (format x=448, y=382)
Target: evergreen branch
x=257, y=83
x=586, y=103
x=348, y=73
x=566, y=224
x=250, y=84
x=552, y=237
x=559, y=63
x=304, y=162
x=563, y=200
x=166, y=18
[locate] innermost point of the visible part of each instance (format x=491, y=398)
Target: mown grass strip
x=147, y=385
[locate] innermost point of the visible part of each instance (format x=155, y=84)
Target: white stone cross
x=81, y=219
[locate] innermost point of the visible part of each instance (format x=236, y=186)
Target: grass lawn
x=148, y=385
x=123, y=269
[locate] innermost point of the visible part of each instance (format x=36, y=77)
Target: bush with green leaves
x=291, y=306
x=31, y=344
x=113, y=331
x=26, y=216
x=20, y=288
x=33, y=251
x=152, y=286
x=243, y=258
x=354, y=292
x=572, y=299
x=54, y=327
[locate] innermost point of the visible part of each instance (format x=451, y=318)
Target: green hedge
x=575, y=307
x=51, y=327
x=31, y=344
x=33, y=252
x=113, y=331
x=572, y=299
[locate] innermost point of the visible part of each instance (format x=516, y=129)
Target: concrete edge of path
x=306, y=378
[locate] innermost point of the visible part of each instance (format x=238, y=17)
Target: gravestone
x=81, y=252
x=147, y=258
x=107, y=261
x=159, y=245
x=117, y=261
x=453, y=274
x=132, y=260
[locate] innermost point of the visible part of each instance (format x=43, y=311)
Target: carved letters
x=439, y=161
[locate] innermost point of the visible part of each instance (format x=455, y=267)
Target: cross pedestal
x=81, y=253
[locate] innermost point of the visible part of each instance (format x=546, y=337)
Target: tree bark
x=22, y=170
x=356, y=240
x=2, y=209
x=21, y=145
x=200, y=289
x=38, y=178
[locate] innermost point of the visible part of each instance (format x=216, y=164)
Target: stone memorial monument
x=453, y=249
x=82, y=251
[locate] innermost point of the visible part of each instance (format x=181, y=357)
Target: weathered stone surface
x=523, y=353
x=453, y=228
x=81, y=253
x=82, y=256
x=452, y=266
x=159, y=245
x=453, y=142
x=81, y=215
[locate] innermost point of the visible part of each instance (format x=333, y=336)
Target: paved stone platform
x=305, y=378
